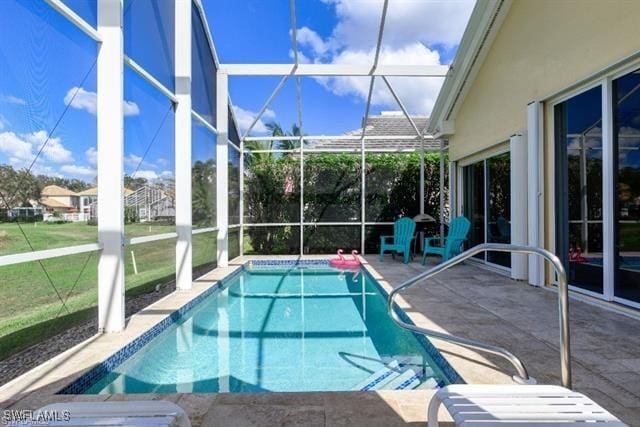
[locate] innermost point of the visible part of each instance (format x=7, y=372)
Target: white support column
x=518, y=198
x=441, y=187
x=608, y=192
x=363, y=194
x=453, y=190
x=535, y=223
x=241, y=237
x=421, y=195
x=110, y=124
x=301, y=196
x=183, y=143
x=222, y=168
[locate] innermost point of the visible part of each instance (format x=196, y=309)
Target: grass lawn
x=32, y=309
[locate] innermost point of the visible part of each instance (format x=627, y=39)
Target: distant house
x=60, y=202
x=151, y=203
x=57, y=202
x=89, y=202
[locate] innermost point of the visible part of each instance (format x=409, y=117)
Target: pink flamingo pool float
x=342, y=262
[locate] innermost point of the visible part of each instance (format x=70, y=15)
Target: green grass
x=630, y=237
x=31, y=307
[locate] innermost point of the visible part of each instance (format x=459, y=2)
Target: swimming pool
x=300, y=326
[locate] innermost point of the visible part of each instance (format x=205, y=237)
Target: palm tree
x=276, y=131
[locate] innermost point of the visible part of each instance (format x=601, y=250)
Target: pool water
x=298, y=329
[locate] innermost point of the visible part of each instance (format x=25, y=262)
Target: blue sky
x=49, y=78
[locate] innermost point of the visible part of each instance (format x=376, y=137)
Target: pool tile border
x=84, y=382
x=449, y=372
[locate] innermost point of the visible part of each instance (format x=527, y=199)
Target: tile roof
x=387, y=124
x=53, y=203
x=55, y=190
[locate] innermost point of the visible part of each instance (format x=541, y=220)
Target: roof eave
x=484, y=24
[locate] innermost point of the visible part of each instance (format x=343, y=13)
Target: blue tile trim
x=408, y=382
x=83, y=383
x=451, y=374
x=286, y=263
x=377, y=380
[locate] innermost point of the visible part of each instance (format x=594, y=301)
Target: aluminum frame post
x=222, y=167
x=183, y=143
x=110, y=130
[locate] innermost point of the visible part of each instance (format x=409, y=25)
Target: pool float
x=342, y=262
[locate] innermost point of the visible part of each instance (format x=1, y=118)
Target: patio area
x=467, y=300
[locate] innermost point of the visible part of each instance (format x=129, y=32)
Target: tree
x=134, y=183
x=277, y=131
x=17, y=188
x=203, y=176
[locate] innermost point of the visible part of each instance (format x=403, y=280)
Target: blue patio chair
x=403, y=230
x=452, y=244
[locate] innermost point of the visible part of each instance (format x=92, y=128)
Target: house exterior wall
x=67, y=200
x=542, y=48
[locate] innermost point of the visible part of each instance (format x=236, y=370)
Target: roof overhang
x=484, y=24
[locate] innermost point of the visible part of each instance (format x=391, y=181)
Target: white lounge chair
x=518, y=405
x=149, y=413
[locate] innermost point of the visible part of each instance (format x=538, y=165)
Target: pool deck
x=467, y=300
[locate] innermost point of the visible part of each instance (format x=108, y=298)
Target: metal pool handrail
x=563, y=308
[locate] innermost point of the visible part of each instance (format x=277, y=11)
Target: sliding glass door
x=626, y=107
x=487, y=205
x=579, y=188
x=474, y=205
x=582, y=236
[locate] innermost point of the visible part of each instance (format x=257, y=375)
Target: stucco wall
x=542, y=47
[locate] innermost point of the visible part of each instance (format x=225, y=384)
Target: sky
x=334, y=31
x=48, y=83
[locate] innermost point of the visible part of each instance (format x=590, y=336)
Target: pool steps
x=402, y=374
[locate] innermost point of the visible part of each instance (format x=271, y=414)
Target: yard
x=32, y=293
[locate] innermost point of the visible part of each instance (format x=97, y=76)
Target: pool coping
x=94, y=374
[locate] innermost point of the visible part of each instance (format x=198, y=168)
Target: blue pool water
x=626, y=262
x=296, y=329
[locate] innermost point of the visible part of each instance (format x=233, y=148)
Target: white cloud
x=53, y=150
x=21, y=149
x=132, y=160
x=166, y=175
x=418, y=94
x=246, y=117
x=82, y=99
x=407, y=21
x=149, y=175
x=78, y=170
x=92, y=155
x=15, y=148
x=10, y=99
x=414, y=31
x=308, y=37
x=131, y=108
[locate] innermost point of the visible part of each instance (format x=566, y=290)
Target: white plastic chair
x=518, y=405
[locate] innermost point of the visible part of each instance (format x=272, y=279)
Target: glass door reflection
x=627, y=146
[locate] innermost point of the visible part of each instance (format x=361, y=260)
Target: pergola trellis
x=297, y=70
